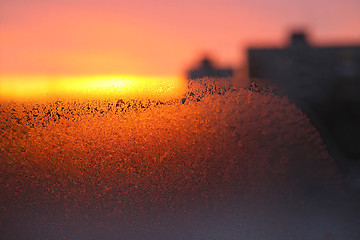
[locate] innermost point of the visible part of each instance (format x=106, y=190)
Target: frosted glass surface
x=221, y=163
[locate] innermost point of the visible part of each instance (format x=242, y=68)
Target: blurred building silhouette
x=207, y=69
x=309, y=74
x=323, y=81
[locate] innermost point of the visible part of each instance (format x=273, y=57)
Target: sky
x=159, y=37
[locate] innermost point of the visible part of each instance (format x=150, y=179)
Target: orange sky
x=156, y=37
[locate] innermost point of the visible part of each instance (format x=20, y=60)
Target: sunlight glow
x=39, y=87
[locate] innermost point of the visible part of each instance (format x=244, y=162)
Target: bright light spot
x=40, y=87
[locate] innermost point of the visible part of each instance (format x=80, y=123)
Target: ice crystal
x=120, y=157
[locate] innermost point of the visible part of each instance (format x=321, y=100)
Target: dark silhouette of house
x=207, y=69
x=324, y=81
x=308, y=74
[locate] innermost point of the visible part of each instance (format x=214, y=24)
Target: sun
x=97, y=86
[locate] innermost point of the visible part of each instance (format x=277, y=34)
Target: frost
x=119, y=157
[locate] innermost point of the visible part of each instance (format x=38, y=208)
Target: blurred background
x=160, y=37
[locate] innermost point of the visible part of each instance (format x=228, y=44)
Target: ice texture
x=145, y=169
